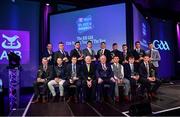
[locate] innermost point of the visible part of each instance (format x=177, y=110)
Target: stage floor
x=168, y=98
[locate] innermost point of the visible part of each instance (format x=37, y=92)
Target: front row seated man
x=118, y=71
x=44, y=75
x=73, y=73
x=131, y=72
x=89, y=80
x=104, y=75
x=147, y=76
x=59, y=79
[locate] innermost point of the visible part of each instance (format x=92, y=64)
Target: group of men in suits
x=90, y=72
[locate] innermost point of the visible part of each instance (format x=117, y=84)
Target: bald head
x=88, y=59
x=103, y=59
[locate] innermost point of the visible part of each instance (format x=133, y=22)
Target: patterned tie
x=102, y=52
x=79, y=52
x=104, y=67
x=90, y=51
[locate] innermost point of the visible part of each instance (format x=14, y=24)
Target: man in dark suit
x=147, y=76
x=138, y=53
x=44, y=75
x=89, y=51
x=126, y=53
x=62, y=54
x=76, y=52
x=49, y=54
x=131, y=72
x=89, y=79
x=104, y=75
x=104, y=51
x=59, y=79
x=116, y=52
x=73, y=78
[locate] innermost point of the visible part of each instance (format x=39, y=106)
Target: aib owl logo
x=15, y=41
x=11, y=42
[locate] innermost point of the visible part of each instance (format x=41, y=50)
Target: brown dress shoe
x=44, y=100
x=35, y=101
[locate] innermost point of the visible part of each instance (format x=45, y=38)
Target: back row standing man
x=77, y=52
x=61, y=53
x=49, y=54
x=105, y=52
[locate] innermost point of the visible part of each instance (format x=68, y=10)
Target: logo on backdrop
x=11, y=44
x=161, y=45
x=16, y=41
x=84, y=24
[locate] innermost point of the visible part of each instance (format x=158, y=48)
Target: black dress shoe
x=53, y=99
x=76, y=100
x=62, y=98
x=69, y=99
x=83, y=101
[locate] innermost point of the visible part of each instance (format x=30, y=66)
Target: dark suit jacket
x=58, y=54
x=46, y=54
x=100, y=73
x=48, y=74
x=127, y=70
x=107, y=53
x=137, y=55
x=60, y=72
x=117, y=53
x=143, y=71
x=69, y=71
x=75, y=53
x=129, y=53
x=91, y=73
x=87, y=53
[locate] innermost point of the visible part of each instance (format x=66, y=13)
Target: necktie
x=116, y=66
x=104, y=67
x=102, y=52
x=147, y=68
x=88, y=67
x=74, y=68
x=45, y=67
x=124, y=53
x=90, y=51
x=138, y=51
x=79, y=52
x=132, y=68
x=150, y=53
x=63, y=53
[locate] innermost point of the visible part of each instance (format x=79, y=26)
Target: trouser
x=89, y=93
x=67, y=85
x=52, y=89
x=101, y=88
x=40, y=88
x=133, y=85
x=126, y=85
x=145, y=83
